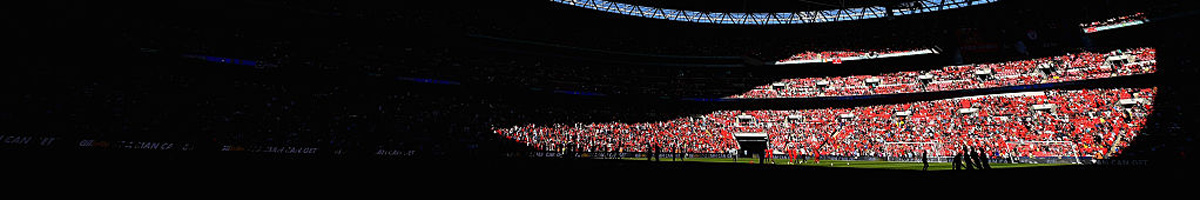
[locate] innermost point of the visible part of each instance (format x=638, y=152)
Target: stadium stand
x=350, y=80
x=1064, y=123
x=1070, y=67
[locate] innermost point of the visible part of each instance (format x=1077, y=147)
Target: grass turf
x=891, y=165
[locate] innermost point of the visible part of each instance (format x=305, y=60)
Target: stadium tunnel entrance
x=751, y=144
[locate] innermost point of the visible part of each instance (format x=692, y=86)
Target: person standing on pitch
x=967, y=159
x=682, y=154
x=648, y=152
x=769, y=154
x=673, y=153
x=791, y=156
x=925, y=160
x=957, y=161
x=733, y=153
x=803, y=156
x=985, y=161
x=656, y=150
x=817, y=157
x=975, y=157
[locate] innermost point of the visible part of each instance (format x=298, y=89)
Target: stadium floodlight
x=802, y=17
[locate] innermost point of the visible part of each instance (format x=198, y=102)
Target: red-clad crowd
x=831, y=55
x=1073, y=123
x=1087, y=123
x=1070, y=67
x=692, y=135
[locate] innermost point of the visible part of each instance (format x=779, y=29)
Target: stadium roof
x=752, y=6
x=768, y=18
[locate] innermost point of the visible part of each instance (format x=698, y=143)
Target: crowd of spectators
x=1086, y=123
x=1070, y=67
x=1073, y=123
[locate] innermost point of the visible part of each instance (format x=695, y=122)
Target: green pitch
x=893, y=165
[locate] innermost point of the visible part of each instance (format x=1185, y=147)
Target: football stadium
x=745, y=88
